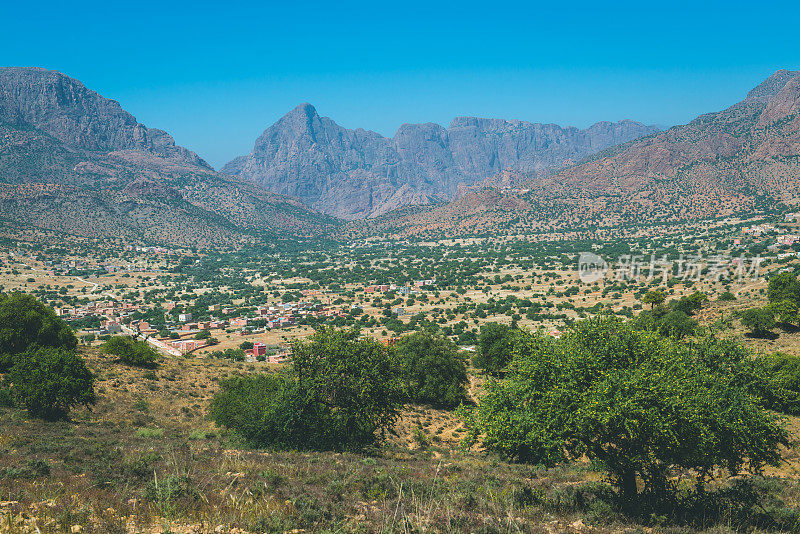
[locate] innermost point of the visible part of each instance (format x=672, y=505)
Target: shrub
x=432, y=369
x=339, y=391
x=49, y=382
x=25, y=321
x=236, y=355
x=633, y=402
x=131, y=352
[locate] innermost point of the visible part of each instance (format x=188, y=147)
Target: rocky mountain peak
x=359, y=173
x=67, y=110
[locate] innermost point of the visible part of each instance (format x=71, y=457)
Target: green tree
x=634, y=402
x=654, y=297
x=432, y=369
x=25, y=321
x=677, y=324
x=760, y=321
x=781, y=374
x=785, y=310
x=203, y=334
x=689, y=304
x=495, y=346
x=340, y=390
x=784, y=286
x=49, y=382
x=131, y=352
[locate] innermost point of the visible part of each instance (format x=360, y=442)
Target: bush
x=432, y=369
x=339, y=391
x=131, y=352
x=633, y=402
x=236, y=355
x=49, y=382
x=25, y=321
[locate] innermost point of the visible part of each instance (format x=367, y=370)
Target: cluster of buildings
x=757, y=230
x=113, y=314
x=402, y=290
x=259, y=351
x=149, y=250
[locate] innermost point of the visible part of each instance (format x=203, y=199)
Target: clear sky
x=216, y=74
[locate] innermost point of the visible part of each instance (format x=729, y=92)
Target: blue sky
x=215, y=75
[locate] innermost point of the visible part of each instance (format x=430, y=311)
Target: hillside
x=743, y=159
x=75, y=162
x=356, y=174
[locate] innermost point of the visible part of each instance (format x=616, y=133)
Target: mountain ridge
x=738, y=160
x=357, y=173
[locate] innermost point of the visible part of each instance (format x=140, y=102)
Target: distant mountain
x=356, y=174
x=743, y=159
x=74, y=161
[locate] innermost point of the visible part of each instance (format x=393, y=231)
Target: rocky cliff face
x=79, y=117
x=357, y=173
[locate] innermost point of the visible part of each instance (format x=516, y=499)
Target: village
x=187, y=334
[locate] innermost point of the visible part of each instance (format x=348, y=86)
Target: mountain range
x=356, y=174
x=740, y=160
x=75, y=162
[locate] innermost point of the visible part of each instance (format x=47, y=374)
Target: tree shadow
x=771, y=336
x=789, y=328
x=745, y=504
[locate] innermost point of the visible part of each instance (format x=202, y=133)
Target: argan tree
x=634, y=402
x=340, y=392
